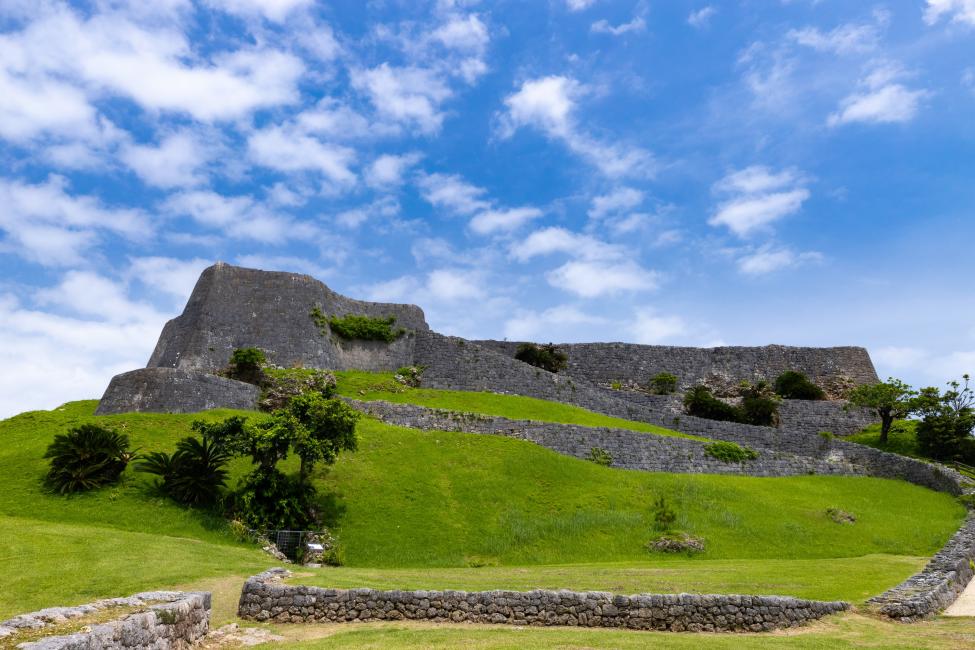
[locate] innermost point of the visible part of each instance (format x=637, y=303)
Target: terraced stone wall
x=265, y=599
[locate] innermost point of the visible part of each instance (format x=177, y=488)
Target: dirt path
x=965, y=605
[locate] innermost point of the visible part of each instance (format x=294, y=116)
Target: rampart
x=264, y=598
x=170, y=619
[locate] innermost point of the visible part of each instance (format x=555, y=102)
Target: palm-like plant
x=87, y=457
x=193, y=474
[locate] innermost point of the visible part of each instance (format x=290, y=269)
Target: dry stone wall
x=172, y=620
x=174, y=390
x=608, y=362
x=265, y=599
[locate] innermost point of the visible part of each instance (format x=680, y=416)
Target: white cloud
x=757, y=198
x=702, y=17
x=240, y=217
x=464, y=33
x=898, y=357
x=176, y=162
x=274, y=10
x=452, y=193
x=591, y=279
x=579, y=5
x=446, y=285
x=387, y=170
x=507, y=219
x=409, y=96
x=557, y=323
x=547, y=104
x=958, y=11
x=768, y=259
x=649, y=327
x=559, y=240
x=31, y=107
x=45, y=224
x=174, y=277
x=286, y=263
x=879, y=104
x=287, y=150
x=845, y=39
x=604, y=27
x=619, y=200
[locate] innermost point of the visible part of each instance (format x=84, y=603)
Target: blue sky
x=693, y=173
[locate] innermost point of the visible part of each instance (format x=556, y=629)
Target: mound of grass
x=369, y=386
x=902, y=439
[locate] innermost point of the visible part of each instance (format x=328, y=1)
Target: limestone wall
x=608, y=362
x=265, y=599
x=233, y=307
x=174, y=390
x=172, y=620
x=938, y=585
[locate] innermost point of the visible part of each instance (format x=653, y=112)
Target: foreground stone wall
x=233, y=307
x=174, y=390
x=938, y=585
x=263, y=598
x=608, y=362
x=173, y=620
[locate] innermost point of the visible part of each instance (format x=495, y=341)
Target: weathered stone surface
x=608, y=362
x=233, y=307
x=174, y=390
x=265, y=599
x=173, y=620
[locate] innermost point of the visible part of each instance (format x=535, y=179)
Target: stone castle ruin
x=233, y=307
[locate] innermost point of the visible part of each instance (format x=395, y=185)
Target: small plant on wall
x=547, y=357
x=358, y=326
x=663, y=383
x=600, y=456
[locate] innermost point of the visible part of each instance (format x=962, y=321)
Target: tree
x=326, y=427
x=947, y=421
x=891, y=399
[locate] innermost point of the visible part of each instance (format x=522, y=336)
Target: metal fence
x=290, y=542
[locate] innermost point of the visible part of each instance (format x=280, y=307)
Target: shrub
x=600, y=456
x=795, y=385
x=664, y=517
x=410, y=375
x=547, y=357
x=246, y=364
x=947, y=421
x=194, y=474
x=759, y=406
x=699, y=401
x=87, y=457
x=365, y=328
x=280, y=386
x=730, y=452
x=270, y=500
x=663, y=383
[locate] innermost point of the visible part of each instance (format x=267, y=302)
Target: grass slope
x=369, y=386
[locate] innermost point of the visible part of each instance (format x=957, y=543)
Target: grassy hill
x=409, y=500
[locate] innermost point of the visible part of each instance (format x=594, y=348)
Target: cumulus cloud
x=169, y=275
x=388, y=169
x=547, y=104
x=604, y=27
x=757, y=197
x=46, y=224
x=559, y=240
x=768, y=259
x=274, y=10
x=579, y=5
x=883, y=100
x=491, y=221
x=289, y=150
x=702, y=17
x=958, y=11
x=177, y=161
x=452, y=193
x=591, y=279
x=240, y=217
x=619, y=200
x=649, y=327
x=409, y=96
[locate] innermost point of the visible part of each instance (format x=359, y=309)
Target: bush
x=663, y=383
x=547, y=357
x=246, y=364
x=759, y=406
x=194, y=474
x=87, y=457
x=600, y=456
x=664, y=517
x=364, y=328
x=730, y=452
x=280, y=386
x=699, y=401
x=270, y=500
x=795, y=385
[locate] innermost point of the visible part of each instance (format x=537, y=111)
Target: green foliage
x=326, y=427
x=664, y=517
x=248, y=357
x=272, y=500
x=87, y=457
x=795, y=385
x=616, y=385
x=600, y=456
x=246, y=364
x=363, y=328
x=827, y=436
x=891, y=399
x=410, y=375
x=547, y=357
x=730, y=452
x=947, y=420
x=663, y=383
x=280, y=385
x=759, y=406
x=194, y=474
x=699, y=401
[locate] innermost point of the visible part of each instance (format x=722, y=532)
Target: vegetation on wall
x=795, y=385
x=663, y=383
x=547, y=357
x=730, y=452
x=87, y=457
x=758, y=405
x=246, y=364
x=358, y=326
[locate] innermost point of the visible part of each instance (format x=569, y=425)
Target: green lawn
x=368, y=386
x=412, y=500
x=851, y=579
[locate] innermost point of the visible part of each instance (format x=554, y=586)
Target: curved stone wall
x=608, y=362
x=173, y=620
x=264, y=598
x=233, y=307
x=174, y=390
